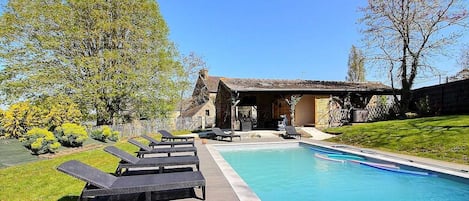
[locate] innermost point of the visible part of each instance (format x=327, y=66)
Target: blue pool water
x=295, y=174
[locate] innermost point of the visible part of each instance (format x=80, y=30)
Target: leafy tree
x=356, y=65
x=403, y=34
x=112, y=58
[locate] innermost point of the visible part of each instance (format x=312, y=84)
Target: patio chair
x=99, y=183
x=154, y=142
x=144, y=149
x=290, y=132
x=219, y=134
x=166, y=135
x=129, y=161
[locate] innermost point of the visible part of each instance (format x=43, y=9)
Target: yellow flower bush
x=19, y=118
x=41, y=141
x=49, y=113
x=70, y=134
x=105, y=133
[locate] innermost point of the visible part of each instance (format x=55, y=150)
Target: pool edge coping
x=239, y=186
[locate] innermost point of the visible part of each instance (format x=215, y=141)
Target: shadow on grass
x=68, y=198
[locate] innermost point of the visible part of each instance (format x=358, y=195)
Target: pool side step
x=324, y=151
x=398, y=170
x=345, y=156
x=324, y=157
x=385, y=165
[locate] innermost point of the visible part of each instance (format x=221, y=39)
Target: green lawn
x=443, y=138
x=41, y=181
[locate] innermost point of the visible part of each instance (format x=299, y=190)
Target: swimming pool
x=291, y=172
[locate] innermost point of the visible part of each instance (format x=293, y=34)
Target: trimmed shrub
x=98, y=135
x=105, y=133
x=40, y=141
x=71, y=135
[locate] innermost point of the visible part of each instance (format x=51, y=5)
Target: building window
x=207, y=112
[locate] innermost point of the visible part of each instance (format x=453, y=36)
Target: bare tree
x=403, y=34
x=192, y=64
x=356, y=65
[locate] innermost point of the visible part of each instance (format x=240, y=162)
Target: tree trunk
x=406, y=97
x=104, y=116
x=100, y=120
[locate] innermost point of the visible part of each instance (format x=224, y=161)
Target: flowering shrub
x=40, y=141
x=105, y=133
x=59, y=110
x=71, y=135
x=49, y=113
x=110, y=134
x=19, y=118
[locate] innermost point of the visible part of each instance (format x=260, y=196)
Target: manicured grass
x=443, y=138
x=41, y=181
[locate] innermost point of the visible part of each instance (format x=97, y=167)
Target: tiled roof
x=237, y=84
x=212, y=83
x=191, y=111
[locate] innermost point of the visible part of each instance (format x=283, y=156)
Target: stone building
x=202, y=104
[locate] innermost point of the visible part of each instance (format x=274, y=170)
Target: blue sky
x=280, y=39
x=283, y=39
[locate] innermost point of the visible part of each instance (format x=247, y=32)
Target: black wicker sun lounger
x=99, y=183
x=154, y=142
x=167, y=136
x=144, y=149
x=219, y=134
x=129, y=161
x=290, y=131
